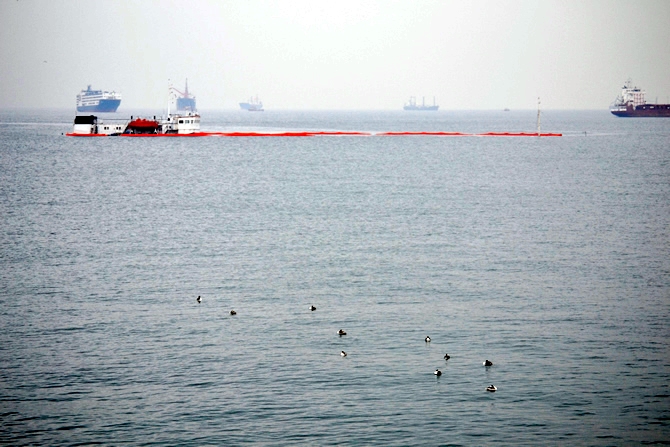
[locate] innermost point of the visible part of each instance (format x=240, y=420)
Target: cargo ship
x=412, y=105
x=98, y=101
x=186, y=101
x=254, y=105
x=632, y=104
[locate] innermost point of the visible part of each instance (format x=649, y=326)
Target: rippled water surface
x=548, y=256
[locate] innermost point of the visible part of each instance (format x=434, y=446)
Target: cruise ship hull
x=104, y=106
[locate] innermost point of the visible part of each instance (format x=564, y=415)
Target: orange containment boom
x=319, y=133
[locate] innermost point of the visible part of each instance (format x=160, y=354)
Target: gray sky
x=309, y=54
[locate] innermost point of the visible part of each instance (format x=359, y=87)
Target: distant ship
x=412, y=105
x=254, y=105
x=185, y=102
x=632, y=104
x=98, y=101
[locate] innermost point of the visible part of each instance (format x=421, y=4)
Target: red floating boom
x=311, y=134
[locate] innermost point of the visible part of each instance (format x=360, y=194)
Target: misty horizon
x=370, y=56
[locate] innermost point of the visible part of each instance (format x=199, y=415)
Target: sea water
x=548, y=256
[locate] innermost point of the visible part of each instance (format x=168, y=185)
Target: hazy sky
x=310, y=54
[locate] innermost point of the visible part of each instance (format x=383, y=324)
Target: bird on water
x=232, y=312
x=488, y=363
x=447, y=356
x=491, y=389
x=438, y=373
x=312, y=308
x=343, y=354
x=427, y=339
x=198, y=299
x=341, y=332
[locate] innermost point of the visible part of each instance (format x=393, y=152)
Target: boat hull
x=104, y=106
x=643, y=111
x=422, y=108
x=186, y=104
x=251, y=107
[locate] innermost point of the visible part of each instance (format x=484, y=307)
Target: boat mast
x=169, y=94
x=538, y=116
x=172, y=96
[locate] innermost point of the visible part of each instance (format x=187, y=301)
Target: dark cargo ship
x=632, y=104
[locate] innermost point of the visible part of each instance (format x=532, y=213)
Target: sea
x=548, y=256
